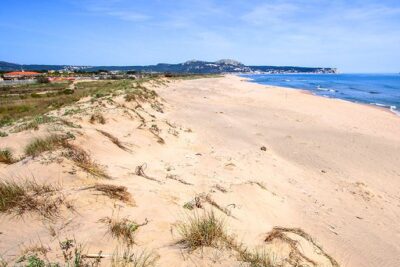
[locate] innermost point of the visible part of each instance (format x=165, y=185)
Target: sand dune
x=262, y=158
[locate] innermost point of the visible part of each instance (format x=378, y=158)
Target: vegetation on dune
x=30, y=196
x=40, y=145
x=6, y=156
x=129, y=258
x=115, y=192
x=97, y=118
x=205, y=230
x=122, y=229
x=83, y=160
x=280, y=233
x=34, y=123
x=114, y=140
x=73, y=255
x=19, y=101
x=23, y=100
x=140, y=93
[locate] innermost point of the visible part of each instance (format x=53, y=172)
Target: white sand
x=331, y=168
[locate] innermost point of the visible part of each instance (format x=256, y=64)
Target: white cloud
x=270, y=13
x=115, y=9
x=370, y=12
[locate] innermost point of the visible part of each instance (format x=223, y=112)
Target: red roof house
x=15, y=75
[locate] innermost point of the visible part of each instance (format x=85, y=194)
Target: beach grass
x=29, y=195
x=122, y=229
x=115, y=192
x=6, y=156
x=83, y=160
x=129, y=258
x=201, y=230
x=40, y=145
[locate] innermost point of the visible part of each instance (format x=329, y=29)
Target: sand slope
x=331, y=168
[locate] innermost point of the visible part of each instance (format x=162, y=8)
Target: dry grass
x=296, y=255
x=205, y=230
x=139, y=171
x=129, y=258
x=6, y=156
x=122, y=229
x=115, y=192
x=220, y=188
x=198, y=201
x=113, y=139
x=256, y=258
x=259, y=184
x=141, y=94
x=195, y=203
x=73, y=254
x=97, y=117
x=30, y=196
x=40, y=145
x=156, y=132
x=208, y=230
x=176, y=178
x=83, y=160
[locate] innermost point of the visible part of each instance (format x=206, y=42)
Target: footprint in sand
x=360, y=189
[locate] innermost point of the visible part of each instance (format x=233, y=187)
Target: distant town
x=20, y=72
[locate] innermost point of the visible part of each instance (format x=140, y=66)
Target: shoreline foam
x=391, y=108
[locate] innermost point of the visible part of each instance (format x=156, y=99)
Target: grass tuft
x=83, y=160
x=122, y=229
x=40, y=145
x=128, y=258
x=113, y=139
x=6, y=156
x=257, y=258
x=97, y=117
x=205, y=230
x=29, y=196
x=141, y=93
x=34, y=123
x=115, y=192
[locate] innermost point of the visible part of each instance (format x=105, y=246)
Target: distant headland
x=191, y=66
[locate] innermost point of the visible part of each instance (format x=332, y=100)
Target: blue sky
x=354, y=36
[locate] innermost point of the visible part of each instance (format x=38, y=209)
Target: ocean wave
x=325, y=89
x=392, y=108
x=380, y=105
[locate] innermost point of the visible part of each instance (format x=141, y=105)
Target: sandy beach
x=260, y=156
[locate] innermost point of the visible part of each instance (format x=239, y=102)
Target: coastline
x=374, y=105
x=317, y=147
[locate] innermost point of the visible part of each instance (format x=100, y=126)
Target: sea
x=382, y=90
